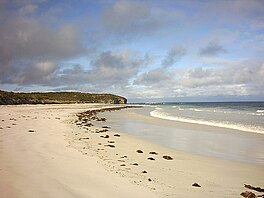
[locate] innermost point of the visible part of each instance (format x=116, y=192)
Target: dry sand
x=58, y=160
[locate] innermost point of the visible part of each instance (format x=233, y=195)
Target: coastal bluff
x=13, y=98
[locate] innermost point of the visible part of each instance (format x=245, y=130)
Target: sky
x=145, y=50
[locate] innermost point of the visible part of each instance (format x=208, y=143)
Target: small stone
x=139, y=151
x=124, y=156
x=144, y=171
x=117, y=135
x=153, y=153
x=135, y=164
x=122, y=165
x=31, y=131
x=111, y=142
x=196, y=185
x=151, y=158
x=167, y=157
x=149, y=179
x=248, y=194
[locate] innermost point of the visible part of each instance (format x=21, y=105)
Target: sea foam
x=156, y=113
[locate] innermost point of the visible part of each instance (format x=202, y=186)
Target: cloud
x=242, y=72
x=31, y=73
x=153, y=77
x=109, y=69
x=173, y=55
x=30, y=43
x=130, y=19
x=241, y=78
x=212, y=49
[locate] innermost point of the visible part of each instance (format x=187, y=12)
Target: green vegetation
x=11, y=98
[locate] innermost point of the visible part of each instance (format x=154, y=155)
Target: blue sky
x=147, y=50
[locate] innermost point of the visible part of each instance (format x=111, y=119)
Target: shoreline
x=51, y=149
x=203, y=140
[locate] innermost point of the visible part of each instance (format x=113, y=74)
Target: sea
x=226, y=130
x=243, y=116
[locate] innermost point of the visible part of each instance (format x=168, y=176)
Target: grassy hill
x=11, y=98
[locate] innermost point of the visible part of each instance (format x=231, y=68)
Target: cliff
x=11, y=98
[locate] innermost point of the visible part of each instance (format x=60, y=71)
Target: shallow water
x=199, y=139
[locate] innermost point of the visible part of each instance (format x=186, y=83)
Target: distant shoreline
x=11, y=98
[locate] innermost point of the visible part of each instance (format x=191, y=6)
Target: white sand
x=54, y=162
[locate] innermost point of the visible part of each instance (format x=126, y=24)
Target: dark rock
x=248, y=194
x=151, y=158
x=85, y=138
x=102, y=131
x=89, y=124
x=110, y=145
x=122, y=165
x=258, y=189
x=139, y=151
x=196, y=185
x=167, y=157
x=124, y=156
x=117, y=135
x=135, y=164
x=106, y=136
x=111, y=142
x=153, y=153
x=149, y=179
x=144, y=171
x=31, y=131
x=105, y=127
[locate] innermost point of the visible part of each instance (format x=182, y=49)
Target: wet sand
x=211, y=141
x=45, y=151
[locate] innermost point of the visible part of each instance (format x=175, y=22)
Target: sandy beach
x=45, y=151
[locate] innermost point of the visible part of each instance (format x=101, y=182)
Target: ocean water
x=230, y=131
x=244, y=116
